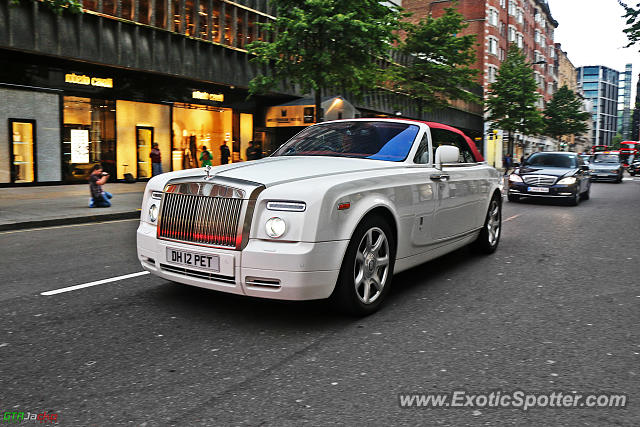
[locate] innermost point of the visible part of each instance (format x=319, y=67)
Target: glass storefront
x=89, y=137
x=196, y=127
x=140, y=124
x=22, y=134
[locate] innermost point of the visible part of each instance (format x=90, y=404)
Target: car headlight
x=286, y=206
x=153, y=212
x=275, y=227
x=568, y=180
x=515, y=178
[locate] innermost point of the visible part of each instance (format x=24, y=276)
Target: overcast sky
x=591, y=33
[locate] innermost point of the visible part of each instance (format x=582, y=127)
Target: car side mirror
x=584, y=167
x=447, y=154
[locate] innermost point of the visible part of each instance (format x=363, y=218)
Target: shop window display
x=88, y=137
x=198, y=126
x=22, y=150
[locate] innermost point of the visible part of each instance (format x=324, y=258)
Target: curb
x=69, y=221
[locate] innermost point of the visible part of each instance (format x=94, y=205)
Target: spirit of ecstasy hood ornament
x=207, y=171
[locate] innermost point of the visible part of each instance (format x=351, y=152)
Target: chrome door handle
x=440, y=177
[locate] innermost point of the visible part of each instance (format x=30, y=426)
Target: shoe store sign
x=81, y=79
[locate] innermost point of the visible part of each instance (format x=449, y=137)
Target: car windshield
x=376, y=140
x=551, y=160
x=606, y=158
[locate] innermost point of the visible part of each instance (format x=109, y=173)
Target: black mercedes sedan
x=560, y=175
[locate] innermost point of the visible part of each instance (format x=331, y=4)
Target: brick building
x=496, y=24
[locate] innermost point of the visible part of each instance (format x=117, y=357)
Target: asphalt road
x=556, y=308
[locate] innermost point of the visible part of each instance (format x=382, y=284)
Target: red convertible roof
x=436, y=125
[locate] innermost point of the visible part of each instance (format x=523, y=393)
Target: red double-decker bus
x=629, y=151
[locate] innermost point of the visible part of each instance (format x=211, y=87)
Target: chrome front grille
x=198, y=274
x=539, y=180
x=201, y=219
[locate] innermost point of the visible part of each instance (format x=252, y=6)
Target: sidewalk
x=30, y=207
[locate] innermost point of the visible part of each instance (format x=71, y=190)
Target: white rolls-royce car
x=333, y=213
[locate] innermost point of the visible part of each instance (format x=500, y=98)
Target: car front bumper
x=265, y=269
x=561, y=191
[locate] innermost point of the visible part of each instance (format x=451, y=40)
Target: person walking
x=205, y=156
x=507, y=163
x=253, y=151
x=156, y=160
x=99, y=197
x=224, y=153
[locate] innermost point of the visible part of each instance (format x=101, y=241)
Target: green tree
x=616, y=140
x=438, y=65
x=511, y=104
x=564, y=115
x=632, y=15
x=58, y=6
x=320, y=44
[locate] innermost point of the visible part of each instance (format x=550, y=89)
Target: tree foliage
x=632, y=15
x=511, y=104
x=321, y=44
x=564, y=114
x=438, y=67
x=58, y=6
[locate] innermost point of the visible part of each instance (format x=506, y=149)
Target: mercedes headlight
x=275, y=227
x=568, y=180
x=515, y=178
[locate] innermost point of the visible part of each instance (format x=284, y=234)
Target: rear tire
x=489, y=237
x=367, y=268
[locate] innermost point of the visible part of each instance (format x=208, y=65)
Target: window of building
x=203, y=20
x=536, y=36
x=520, y=40
x=22, y=141
x=88, y=137
x=492, y=73
x=503, y=3
x=543, y=23
x=160, y=14
x=176, y=15
x=144, y=12
x=512, y=33
x=512, y=8
x=550, y=88
x=126, y=9
x=189, y=18
x=543, y=42
x=520, y=16
x=493, y=45
x=493, y=16
x=552, y=69
x=501, y=54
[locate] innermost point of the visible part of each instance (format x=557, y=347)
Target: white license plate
x=538, y=190
x=194, y=259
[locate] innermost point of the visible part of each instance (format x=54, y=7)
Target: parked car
x=634, y=168
x=560, y=175
x=333, y=213
x=606, y=166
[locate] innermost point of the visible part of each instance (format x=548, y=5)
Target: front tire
x=575, y=200
x=489, y=237
x=367, y=268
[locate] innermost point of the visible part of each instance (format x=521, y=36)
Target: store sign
x=81, y=79
x=289, y=115
x=79, y=146
x=196, y=94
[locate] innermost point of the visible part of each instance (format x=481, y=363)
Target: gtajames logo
x=14, y=417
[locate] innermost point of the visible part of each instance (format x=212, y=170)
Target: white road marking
x=512, y=217
x=627, y=179
x=68, y=226
x=96, y=283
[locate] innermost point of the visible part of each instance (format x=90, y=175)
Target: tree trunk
x=318, y=103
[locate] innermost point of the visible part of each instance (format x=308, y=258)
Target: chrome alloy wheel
x=371, y=268
x=494, y=223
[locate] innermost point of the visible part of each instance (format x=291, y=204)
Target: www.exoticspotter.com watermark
x=517, y=399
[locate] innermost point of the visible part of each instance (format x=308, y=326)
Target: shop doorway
x=144, y=138
x=22, y=141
